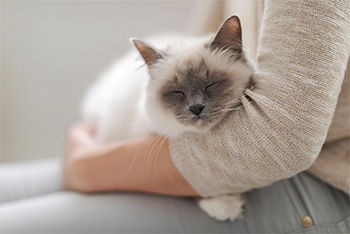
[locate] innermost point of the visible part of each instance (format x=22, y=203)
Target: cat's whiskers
x=138, y=148
x=148, y=132
x=233, y=109
x=141, y=66
x=236, y=102
x=153, y=123
x=236, y=99
x=149, y=158
x=215, y=114
x=159, y=121
x=166, y=136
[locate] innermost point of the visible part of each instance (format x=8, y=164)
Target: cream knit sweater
x=302, y=58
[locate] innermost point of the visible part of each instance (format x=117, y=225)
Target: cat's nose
x=196, y=109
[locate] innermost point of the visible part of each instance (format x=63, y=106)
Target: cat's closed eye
x=211, y=85
x=180, y=93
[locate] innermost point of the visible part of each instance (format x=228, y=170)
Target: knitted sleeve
x=303, y=53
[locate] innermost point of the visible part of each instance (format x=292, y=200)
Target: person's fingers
x=89, y=127
x=81, y=133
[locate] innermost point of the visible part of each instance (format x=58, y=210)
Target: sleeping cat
x=187, y=84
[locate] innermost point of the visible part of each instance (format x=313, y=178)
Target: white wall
x=51, y=51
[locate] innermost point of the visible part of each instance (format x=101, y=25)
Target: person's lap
x=19, y=180
x=278, y=208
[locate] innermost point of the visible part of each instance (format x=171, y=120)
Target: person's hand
x=141, y=164
x=79, y=145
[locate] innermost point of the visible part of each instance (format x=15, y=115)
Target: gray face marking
x=195, y=86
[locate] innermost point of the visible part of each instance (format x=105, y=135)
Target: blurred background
x=52, y=51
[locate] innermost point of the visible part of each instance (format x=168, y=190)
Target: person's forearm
x=134, y=165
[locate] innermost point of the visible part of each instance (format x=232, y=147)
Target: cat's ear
x=149, y=54
x=229, y=35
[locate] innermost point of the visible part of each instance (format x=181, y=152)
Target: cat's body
x=189, y=84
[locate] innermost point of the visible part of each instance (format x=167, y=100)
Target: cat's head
x=194, y=84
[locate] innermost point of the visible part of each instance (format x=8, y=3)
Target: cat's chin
x=199, y=126
x=177, y=128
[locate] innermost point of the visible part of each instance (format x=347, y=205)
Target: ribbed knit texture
x=333, y=163
x=303, y=54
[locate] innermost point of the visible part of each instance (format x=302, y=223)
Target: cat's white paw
x=223, y=207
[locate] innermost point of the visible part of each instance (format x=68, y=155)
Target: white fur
x=117, y=101
x=124, y=104
x=223, y=207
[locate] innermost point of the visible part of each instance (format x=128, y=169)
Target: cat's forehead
x=197, y=61
x=199, y=64
x=191, y=68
